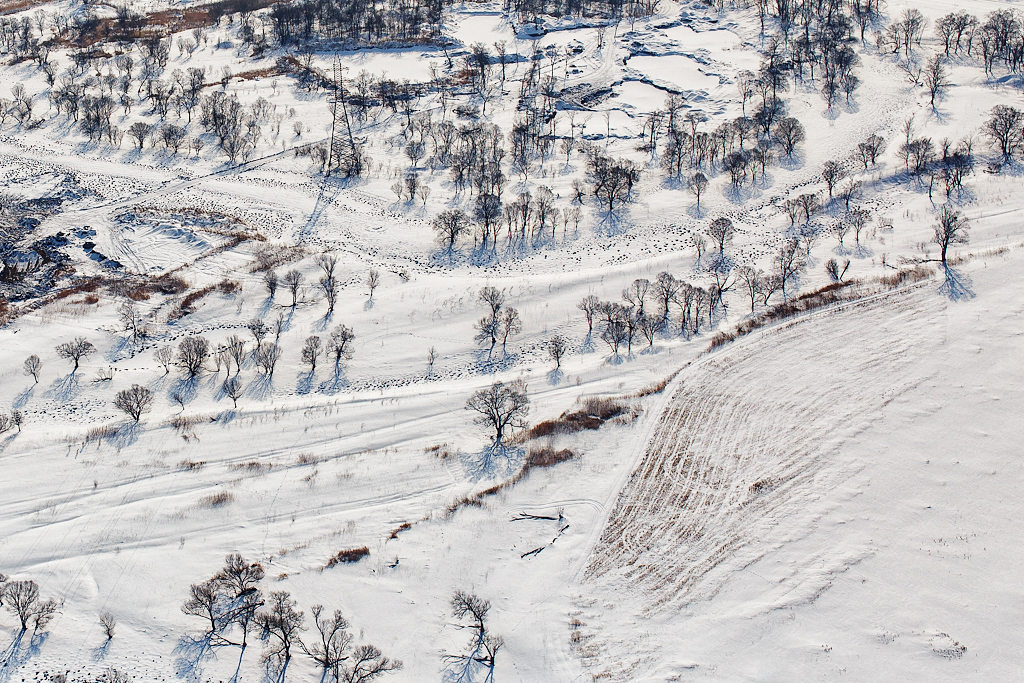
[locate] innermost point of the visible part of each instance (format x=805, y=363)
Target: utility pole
x=344, y=155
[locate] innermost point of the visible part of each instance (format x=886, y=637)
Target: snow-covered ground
x=831, y=497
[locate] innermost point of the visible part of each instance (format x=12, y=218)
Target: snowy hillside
x=647, y=341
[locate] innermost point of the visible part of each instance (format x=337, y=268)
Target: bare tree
x=270, y=281
x=589, y=306
x=483, y=647
x=365, y=664
x=500, y=407
x=789, y=133
x=832, y=172
x=697, y=183
x=266, y=356
x=108, y=623
x=788, y=262
x=329, y=286
x=511, y=325
x=238, y=583
x=233, y=389
x=33, y=366
x=1003, y=128
x=449, y=227
x=293, y=281
x=339, y=344
x=258, y=329
x=236, y=349
x=164, y=356
x=192, y=354
x=75, y=350
x=834, y=272
x=936, y=76
x=557, y=348
x=311, y=351
x=21, y=598
x=204, y=601
x=280, y=626
x=752, y=283
x=134, y=401
x=952, y=228
x=332, y=644
x=721, y=231
x=372, y=280
x=431, y=358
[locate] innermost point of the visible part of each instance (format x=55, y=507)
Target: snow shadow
x=126, y=434
x=185, y=388
x=957, y=286
x=555, y=376
x=99, y=653
x=337, y=383
x=189, y=655
x=493, y=462
x=260, y=387
x=18, y=652
x=304, y=382
x=22, y=398
x=64, y=389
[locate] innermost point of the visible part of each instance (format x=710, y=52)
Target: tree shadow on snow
x=18, y=652
x=64, y=389
x=126, y=434
x=189, y=655
x=185, y=387
x=957, y=286
x=555, y=376
x=260, y=387
x=22, y=398
x=337, y=383
x=493, y=462
x=99, y=653
x=304, y=382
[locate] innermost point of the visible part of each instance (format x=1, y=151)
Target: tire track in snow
x=745, y=442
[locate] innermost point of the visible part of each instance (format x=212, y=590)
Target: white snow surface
x=833, y=497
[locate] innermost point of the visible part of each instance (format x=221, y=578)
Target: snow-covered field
x=829, y=497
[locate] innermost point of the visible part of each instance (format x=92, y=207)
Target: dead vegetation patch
x=594, y=412
x=268, y=258
x=536, y=457
x=441, y=451
x=349, y=556
x=252, y=467
x=188, y=465
x=216, y=500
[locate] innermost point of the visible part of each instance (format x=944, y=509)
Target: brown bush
x=228, y=287
x=404, y=526
x=546, y=456
x=216, y=500
x=187, y=305
x=191, y=465
x=349, y=556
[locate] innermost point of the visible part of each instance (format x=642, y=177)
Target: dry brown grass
x=404, y=526
x=191, y=465
x=216, y=500
x=441, y=451
x=268, y=258
x=252, y=467
x=349, y=556
x=99, y=433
